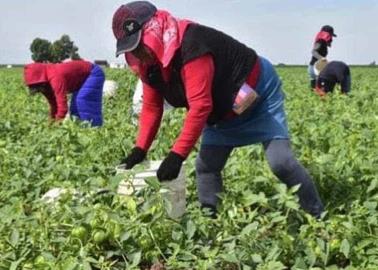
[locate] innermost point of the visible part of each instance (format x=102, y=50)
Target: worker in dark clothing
x=323, y=40
x=335, y=72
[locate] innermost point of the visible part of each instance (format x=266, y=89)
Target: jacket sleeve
x=315, y=51
x=60, y=91
x=197, y=77
x=150, y=117
x=52, y=102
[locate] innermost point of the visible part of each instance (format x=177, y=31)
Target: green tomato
x=40, y=261
x=335, y=244
x=99, y=236
x=145, y=243
x=318, y=251
x=334, y=225
x=80, y=233
x=102, y=182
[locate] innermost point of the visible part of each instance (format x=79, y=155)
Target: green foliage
x=260, y=225
x=41, y=50
x=61, y=49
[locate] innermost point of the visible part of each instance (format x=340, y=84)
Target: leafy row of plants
x=259, y=226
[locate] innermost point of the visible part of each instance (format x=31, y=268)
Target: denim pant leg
x=73, y=107
x=312, y=76
x=209, y=165
x=287, y=168
x=89, y=97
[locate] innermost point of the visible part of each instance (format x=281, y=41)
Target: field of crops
x=259, y=226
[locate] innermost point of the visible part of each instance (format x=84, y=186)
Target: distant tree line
x=44, y=51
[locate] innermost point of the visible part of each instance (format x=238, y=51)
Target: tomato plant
x=259, y=225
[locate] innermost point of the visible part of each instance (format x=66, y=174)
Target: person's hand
x=53, y=122
x=319, y=91
x=170, y=167
x=136, y=156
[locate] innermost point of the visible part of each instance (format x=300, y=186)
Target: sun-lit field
x=259, y=225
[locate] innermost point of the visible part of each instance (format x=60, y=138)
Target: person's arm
x=150, y=117
x=315, y=51
x=60, y=90
x=197, y=77
x=49, y=94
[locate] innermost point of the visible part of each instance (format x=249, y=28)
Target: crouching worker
x=335, y=72
x=233, y=98
x=55, y=81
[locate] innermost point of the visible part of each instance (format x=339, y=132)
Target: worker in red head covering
x=55, y=81
x=233, y=97
x=323, y=40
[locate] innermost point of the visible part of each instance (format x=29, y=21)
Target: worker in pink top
x=323, y=40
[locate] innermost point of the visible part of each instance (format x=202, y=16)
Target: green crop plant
x=259, y=226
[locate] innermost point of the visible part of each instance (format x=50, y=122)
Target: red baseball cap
x=128, y=21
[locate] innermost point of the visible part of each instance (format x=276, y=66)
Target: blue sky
x=283, y=31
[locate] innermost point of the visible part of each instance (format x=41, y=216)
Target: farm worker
x=323, y=40
x=55, y=81
x=335, y=72
x=210, y=73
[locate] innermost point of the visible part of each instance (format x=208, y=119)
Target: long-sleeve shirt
x=62, y=79
x=197, y=76
x=198, y=86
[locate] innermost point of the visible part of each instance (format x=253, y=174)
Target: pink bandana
x=163, y=34
x=322, y=35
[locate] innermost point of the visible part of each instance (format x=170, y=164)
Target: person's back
x=72, y=74
x=233, y=62
x=334, y=72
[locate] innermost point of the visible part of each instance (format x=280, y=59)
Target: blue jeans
x=312, y=76
x=86, y=103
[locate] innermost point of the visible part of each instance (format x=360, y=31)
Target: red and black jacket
x=233, y=61
x=205, y=75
